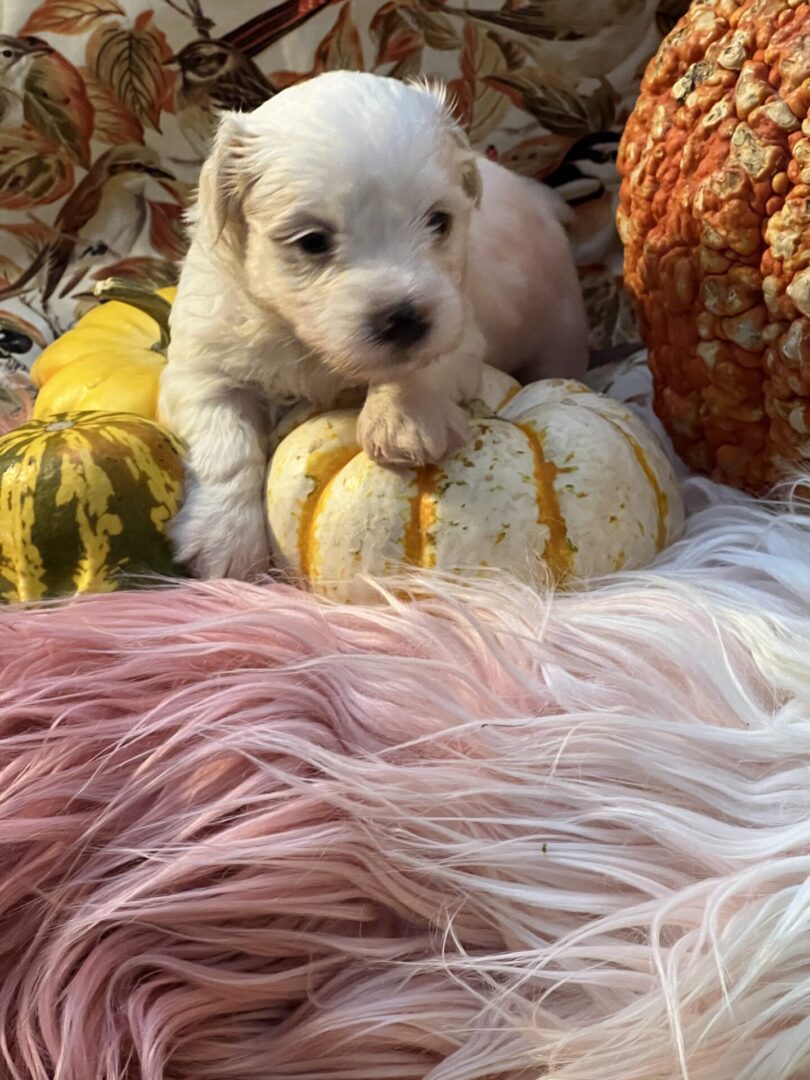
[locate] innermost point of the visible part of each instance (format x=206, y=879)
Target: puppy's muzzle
x=402, y=326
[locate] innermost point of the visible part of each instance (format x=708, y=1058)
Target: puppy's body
x=345, y=235
x=522, y=282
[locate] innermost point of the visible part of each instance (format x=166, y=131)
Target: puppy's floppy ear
x=468, y=160
x=471, y=182
x=225, y=179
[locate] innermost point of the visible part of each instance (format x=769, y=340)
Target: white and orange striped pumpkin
x=557, y=480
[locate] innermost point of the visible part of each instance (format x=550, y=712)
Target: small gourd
x=85, y=499
x=557, y=482
x=112, y=358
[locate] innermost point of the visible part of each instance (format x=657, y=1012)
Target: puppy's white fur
x=258, y=323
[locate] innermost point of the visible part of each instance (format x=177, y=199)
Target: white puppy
x=346, y=235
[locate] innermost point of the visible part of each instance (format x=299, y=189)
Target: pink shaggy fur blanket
x=248, y=835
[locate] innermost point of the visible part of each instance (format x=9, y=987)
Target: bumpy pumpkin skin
x=557, y=481
x=715, y=218
x=85, y=499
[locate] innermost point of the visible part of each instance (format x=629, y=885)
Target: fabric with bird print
x=107, y=108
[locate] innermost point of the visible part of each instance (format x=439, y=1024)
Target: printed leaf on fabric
x=9, y=270
x=537, y=157
x=479, y=107
x=342, y=47
x=167, y=233
x=69, y=16
x=282, y=79
x=559, y=111
x=610, y=309
x=437, y=29
x=409, y=67
x=32, y=236
x=32, y=172
x=129, y=62
x=57, y=105
x=395, y=35
x=114, y=123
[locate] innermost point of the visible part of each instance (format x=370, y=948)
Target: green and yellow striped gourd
x=85, y=499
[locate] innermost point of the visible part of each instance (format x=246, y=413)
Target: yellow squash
x=111, y=360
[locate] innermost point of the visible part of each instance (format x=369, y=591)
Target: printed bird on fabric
x=553, y=20
x=219, y=72
x=16, y=57
x=214, y=76
x=105, y=213
x=564, y=36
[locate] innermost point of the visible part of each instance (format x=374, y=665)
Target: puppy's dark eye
x=439, y=222
x=315, y=243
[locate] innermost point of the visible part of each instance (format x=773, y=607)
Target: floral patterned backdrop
x=106, y=107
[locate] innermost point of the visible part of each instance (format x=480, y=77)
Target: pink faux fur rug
x=245, y=835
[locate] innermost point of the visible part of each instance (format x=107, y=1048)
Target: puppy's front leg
x=221, y=529
x=417, y=420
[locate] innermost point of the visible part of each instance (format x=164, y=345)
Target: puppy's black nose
x=402, y=326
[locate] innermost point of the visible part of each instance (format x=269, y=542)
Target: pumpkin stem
x=480, y=410
x=140, y=297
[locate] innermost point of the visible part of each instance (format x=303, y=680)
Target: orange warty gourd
x=715, y=218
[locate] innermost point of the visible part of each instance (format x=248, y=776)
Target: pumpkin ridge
x=418, y=532
x=557, y=553
x=87, y=523
x=141, y=546
x=513, y=391
x=323, y=468
x=21, y=558
x=154, y=467
x=662, y=503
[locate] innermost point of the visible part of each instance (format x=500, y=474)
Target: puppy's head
x=345, y=203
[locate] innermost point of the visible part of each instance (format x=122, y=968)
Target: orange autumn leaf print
x=57, y=105
x=130, y=63
x=69, y=16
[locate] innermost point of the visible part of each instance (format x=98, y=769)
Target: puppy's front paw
x=217, y=537
x=393, y=435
